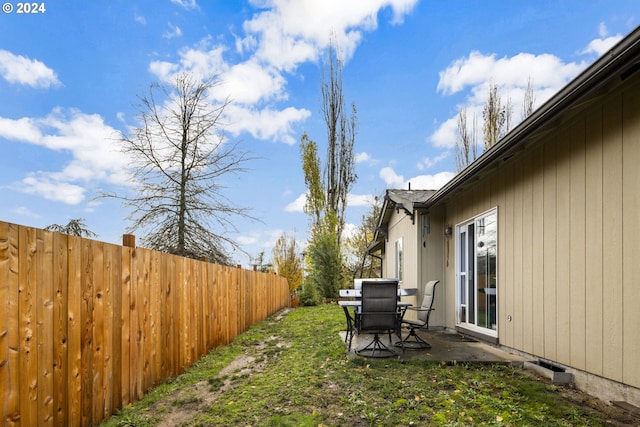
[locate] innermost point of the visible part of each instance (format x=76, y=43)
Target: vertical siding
x=594, y=327
x=537, y=251
x=563, y=247
x=631, y=237
x=578, y=244
x=612, y=239
x=568, y=209
x=549, y=232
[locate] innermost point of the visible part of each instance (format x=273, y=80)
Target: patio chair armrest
x=420, y=309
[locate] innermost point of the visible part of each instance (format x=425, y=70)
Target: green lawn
x=293, y=370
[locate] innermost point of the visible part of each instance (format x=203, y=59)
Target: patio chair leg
x=376, y=345
x=413, y=341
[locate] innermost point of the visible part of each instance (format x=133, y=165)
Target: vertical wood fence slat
x=86, y=333
x=60, y=328
x=9, y=325
x=98, y=343
x=44, y=326
x=28, y=370
x=88, y=327
x=74, y=332
x=125, y=327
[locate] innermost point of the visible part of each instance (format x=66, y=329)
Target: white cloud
x=360, y=200
x=88, y=140
x=429, y=162
x=473, y=74
x=297, y=205
x=419, y=182
x=478, y=69
x=173, y=31
x=604, y=43
x=251, y=83
x=51, y=188
x=281, y=36
x=291, y=32
x=266, y=124
x=187, y=4
x=201, y=61
x=140, y=19
x=26, y=71
x=365, y=157
x=391, y=178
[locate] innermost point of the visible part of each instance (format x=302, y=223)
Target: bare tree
x=494, y=115
x=339, y=173
x=179, y=157
x=528, y=101
x=359, y=263
x=467, y=141
x=75, y=227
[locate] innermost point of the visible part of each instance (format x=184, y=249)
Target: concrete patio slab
x=445, y=347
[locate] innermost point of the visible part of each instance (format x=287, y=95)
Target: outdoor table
x=351, y=319
x=357, y=293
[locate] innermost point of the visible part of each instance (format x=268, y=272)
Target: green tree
x=179, y=156
x=328, y=184
x=75, y=227
x=325, y=273
x=287, y=261
x=315, y=203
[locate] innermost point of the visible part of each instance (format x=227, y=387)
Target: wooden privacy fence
x=88, y=327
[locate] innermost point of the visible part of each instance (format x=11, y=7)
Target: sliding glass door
x=476, y=267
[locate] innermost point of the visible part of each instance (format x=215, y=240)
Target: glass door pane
x=477, y=271
x=486, y=252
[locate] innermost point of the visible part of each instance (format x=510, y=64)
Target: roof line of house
x=623, y=58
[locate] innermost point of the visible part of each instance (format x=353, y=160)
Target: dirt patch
x=182, y=406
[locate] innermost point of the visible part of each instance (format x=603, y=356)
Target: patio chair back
x=427, y=302
x=379, y=305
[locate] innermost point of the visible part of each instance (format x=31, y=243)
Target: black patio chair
x=379, y=315
x=413, y=341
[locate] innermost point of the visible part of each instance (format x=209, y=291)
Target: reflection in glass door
x=477, y=271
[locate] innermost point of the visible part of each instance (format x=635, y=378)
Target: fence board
x=125, y=327
x=60, y=325
x=87, y=327
x=28, y=370
x=44, y=326
x=98, y=332
x=74, y=332
x=86, y=334
x=9, y=326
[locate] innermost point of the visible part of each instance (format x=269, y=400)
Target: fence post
x=129, y=240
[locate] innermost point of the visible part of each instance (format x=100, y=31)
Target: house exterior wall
x=568, y=231
x=401, y=227
x=431, y=266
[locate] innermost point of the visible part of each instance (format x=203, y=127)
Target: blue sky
x=69, y=78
